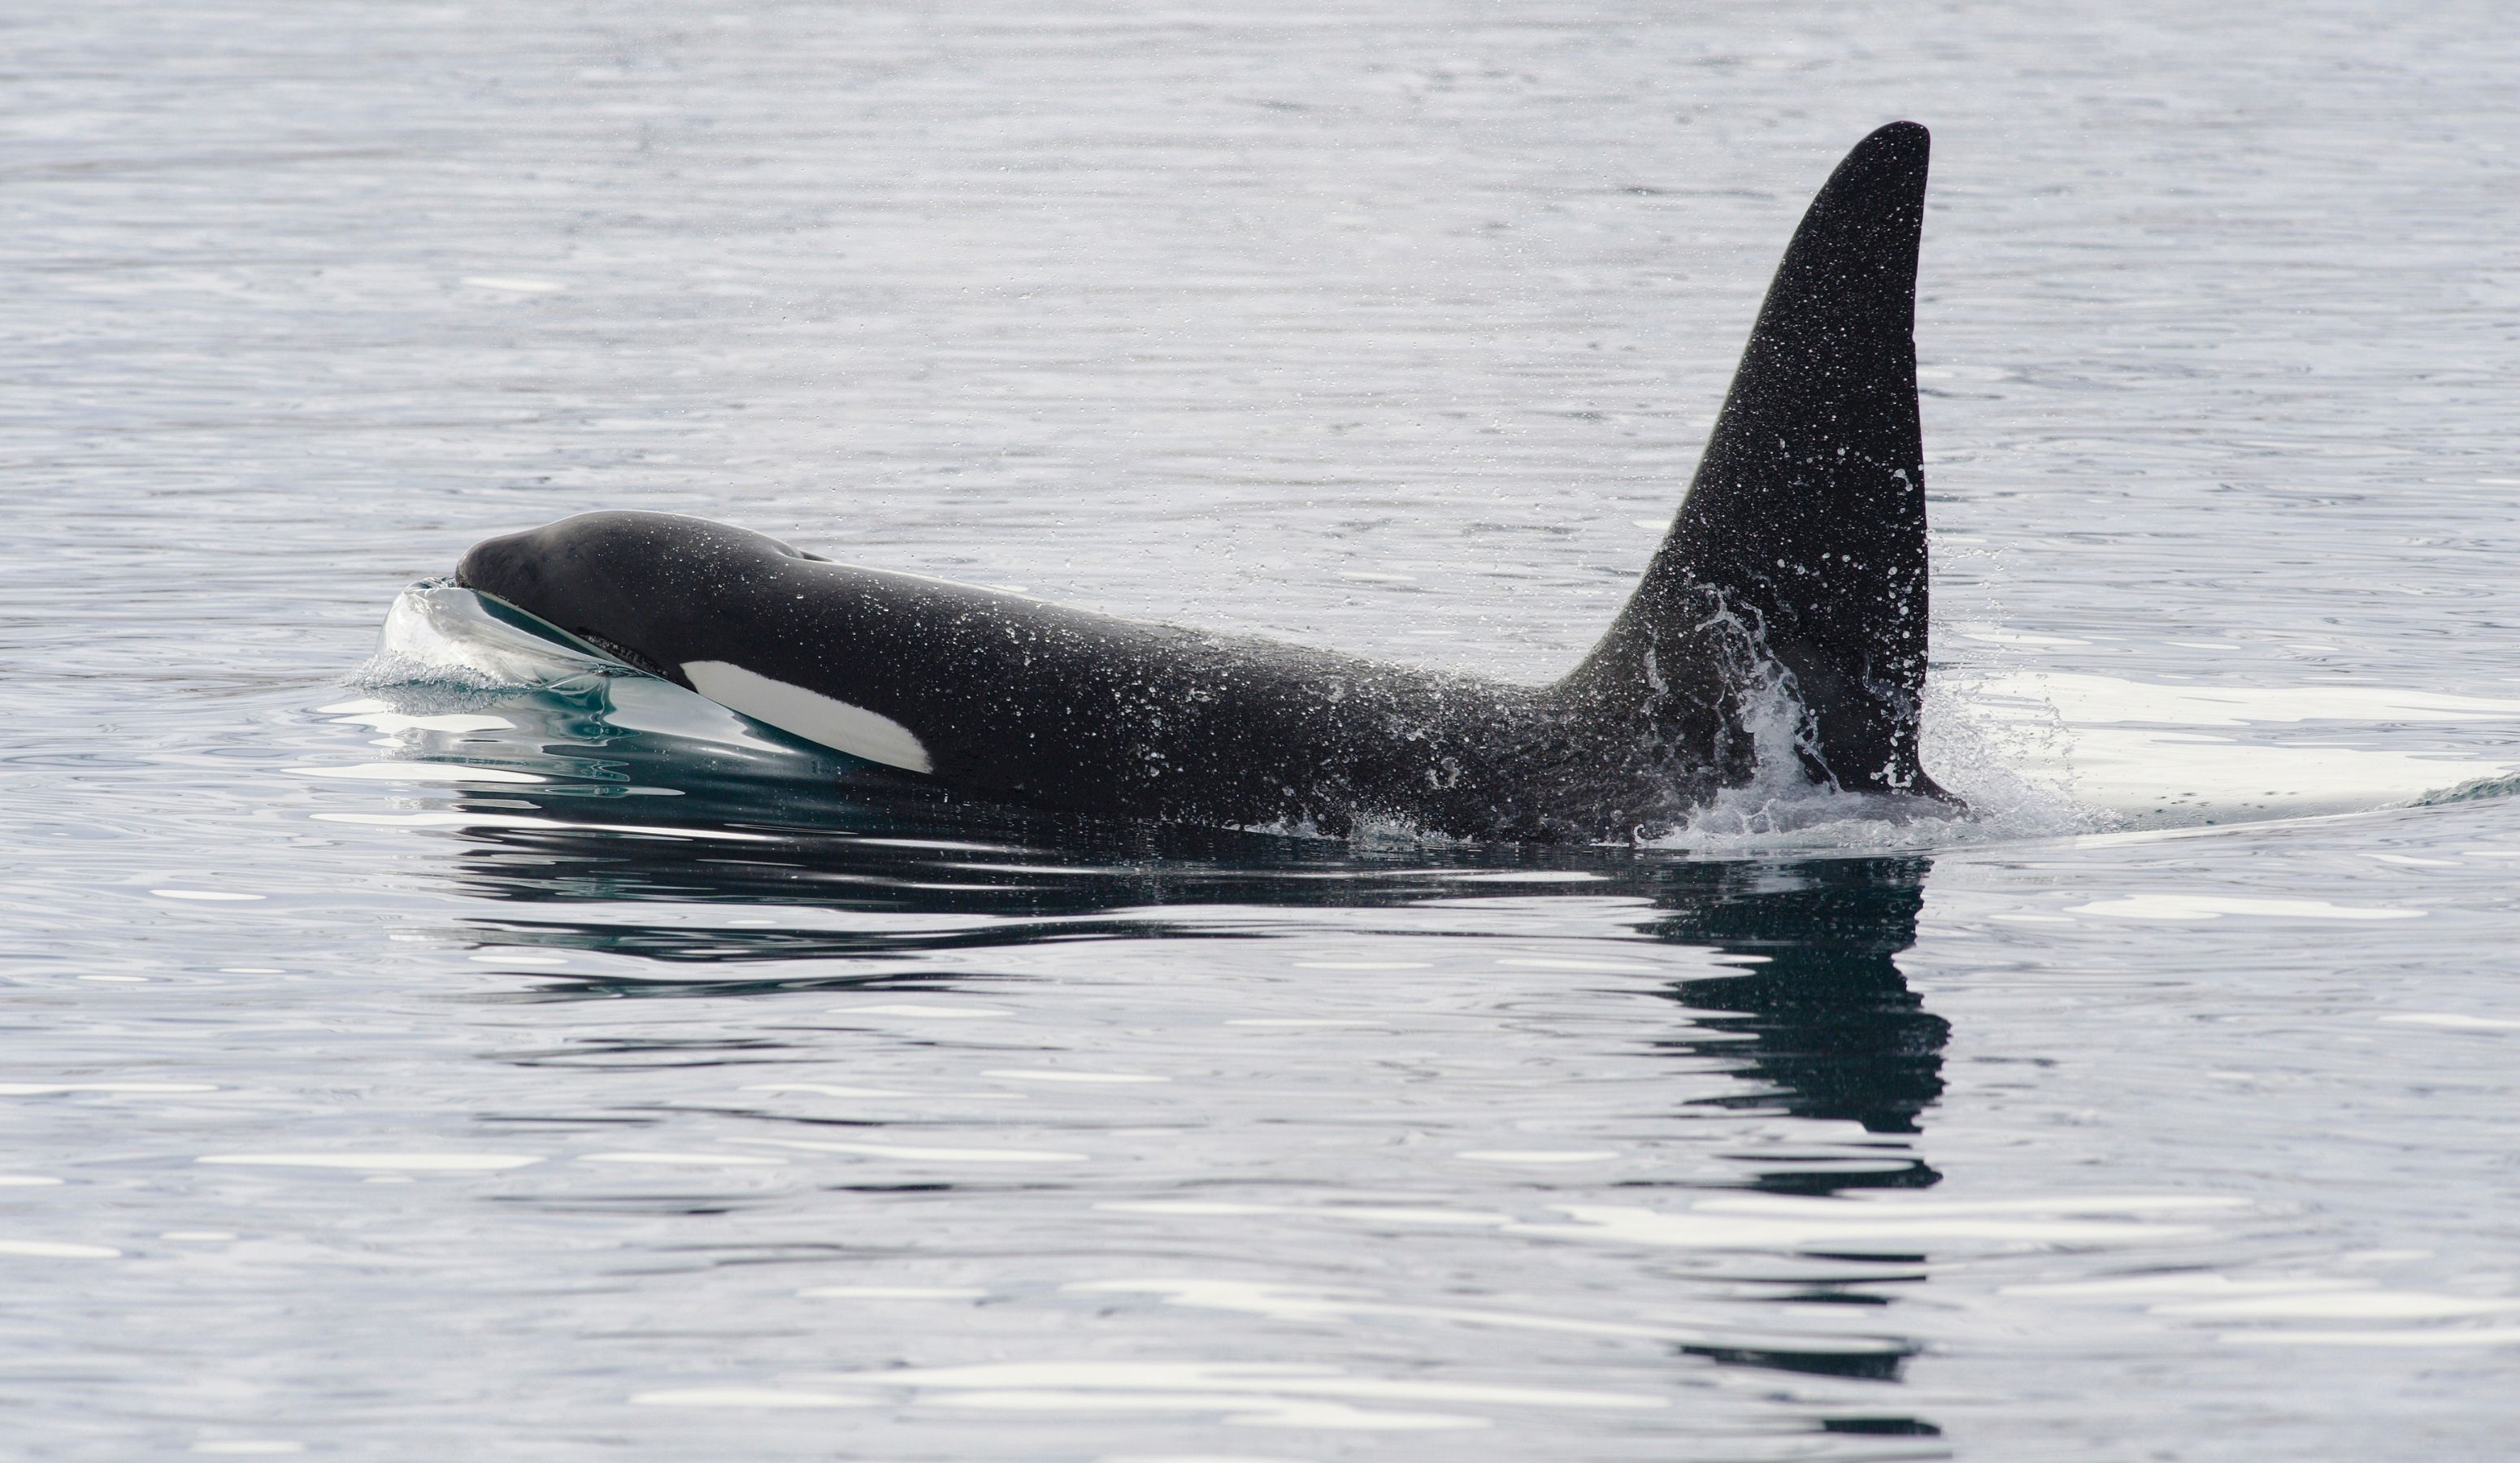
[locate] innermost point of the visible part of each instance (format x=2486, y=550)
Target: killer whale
x=1796, y=565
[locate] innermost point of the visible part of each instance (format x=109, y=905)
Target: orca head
x=631, y=585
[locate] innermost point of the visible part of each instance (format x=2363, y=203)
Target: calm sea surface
x=414, y=1049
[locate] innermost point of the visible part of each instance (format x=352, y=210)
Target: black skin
x=1064, y=707
x=1801, y=546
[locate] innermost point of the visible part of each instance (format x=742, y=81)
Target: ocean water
x=422, y=1047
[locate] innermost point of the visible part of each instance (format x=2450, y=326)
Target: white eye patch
x=811, y=715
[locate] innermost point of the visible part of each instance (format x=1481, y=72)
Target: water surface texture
x=422, y=1047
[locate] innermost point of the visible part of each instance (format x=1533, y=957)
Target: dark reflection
x=1834, y=1032
x=1818, y=1021
x=1882, y=1427
x=659, y=846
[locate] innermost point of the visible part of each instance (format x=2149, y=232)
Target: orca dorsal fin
x=1807, y=515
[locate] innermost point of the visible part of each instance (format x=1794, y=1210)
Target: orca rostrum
x=1791, y=585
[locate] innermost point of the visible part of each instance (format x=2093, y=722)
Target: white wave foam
x=1781, y=810
x=2039, y=756
x=2148, y=755
x=437, y=635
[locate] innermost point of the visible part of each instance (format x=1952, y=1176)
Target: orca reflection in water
x=1834, y=1032
x=1823, y=1025
x=1791, y=590
x=835, y=877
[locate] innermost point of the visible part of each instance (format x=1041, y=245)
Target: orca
x=1794, y=567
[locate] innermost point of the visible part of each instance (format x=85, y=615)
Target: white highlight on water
x=920, y=1013
x=2201, y=907
x=1321, y=1303
x=1790, y=1223
x=1040, y=1074
x=892, y=1293
x=42, y=1249
x=49, y=1088
x=907, y=1153
x=420, y=772
x=421, y=1163
x=1246, y=1393
x=686, y=1160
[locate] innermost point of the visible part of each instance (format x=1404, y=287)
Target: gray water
x=407, y=1061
